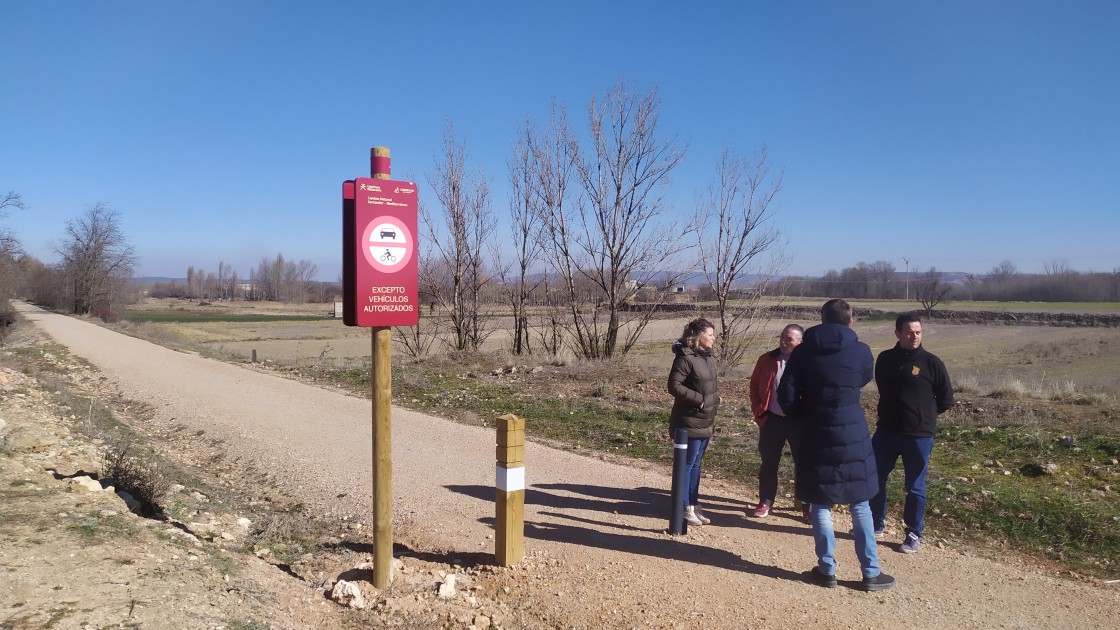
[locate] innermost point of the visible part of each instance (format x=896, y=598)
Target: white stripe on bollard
x=510, y=479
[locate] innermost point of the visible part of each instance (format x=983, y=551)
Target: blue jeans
x=824, y=538
x=914, y=452
x=695, y=456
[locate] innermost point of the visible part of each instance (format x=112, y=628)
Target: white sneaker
x=703, y=517
x=690, y=516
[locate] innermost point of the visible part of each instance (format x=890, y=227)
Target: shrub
x=136, y=474
x=104, y=311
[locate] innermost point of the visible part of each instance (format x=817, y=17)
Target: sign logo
x=387, y=244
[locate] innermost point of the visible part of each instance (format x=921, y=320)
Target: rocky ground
x=73, y=554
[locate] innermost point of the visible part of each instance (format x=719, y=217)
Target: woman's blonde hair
x=693, y=330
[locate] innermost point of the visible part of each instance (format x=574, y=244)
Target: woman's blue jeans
x=693, y=459
x=862, y=531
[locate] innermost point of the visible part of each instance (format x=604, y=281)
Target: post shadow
x=674, y=548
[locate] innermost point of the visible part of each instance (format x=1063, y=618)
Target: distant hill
x=151, y=279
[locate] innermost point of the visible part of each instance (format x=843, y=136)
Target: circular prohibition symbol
x=387, y=244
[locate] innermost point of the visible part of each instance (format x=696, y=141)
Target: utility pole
x=907, y=261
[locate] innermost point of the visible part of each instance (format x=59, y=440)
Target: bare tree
x=617, y=240
x=10, y=251
x=971, y=283
x=737, y=211
x=1005, y=270
x=524, y=221
x=281, y=280
x=883, y=275
x=9, y=200
x=190, y=282
x=458, y=236
x=930, y=290
x=1057, y=267
x=1001, y=280
x=297, y=278
x=95, y=255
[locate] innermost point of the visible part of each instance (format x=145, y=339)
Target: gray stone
x=28, y=439
x=83, y=484
x=134, y=506
x=348, y=594
x=447, y=587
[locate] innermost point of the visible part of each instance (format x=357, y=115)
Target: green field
x=198, y=317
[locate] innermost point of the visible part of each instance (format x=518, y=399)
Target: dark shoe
x=762, y=511
x=820, y=579
x=880, y=582
x=912, y=543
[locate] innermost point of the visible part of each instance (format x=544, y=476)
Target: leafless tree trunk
x=95, y=253
x=524, y=222
x=550, y=326
x=10, y=251
x=190, y=282
x=617, y=241
x=417, y=340
x=458, y=238
x=971, y=282
x=733, y=246
x=883, y=275
x=930, y=291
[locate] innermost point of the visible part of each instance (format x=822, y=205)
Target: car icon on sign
x=389, y=234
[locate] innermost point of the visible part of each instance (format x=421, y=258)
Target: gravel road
x=595, y=531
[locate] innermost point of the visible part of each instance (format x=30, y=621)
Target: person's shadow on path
x=641, y=502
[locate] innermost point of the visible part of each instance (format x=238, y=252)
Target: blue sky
x=955, y=134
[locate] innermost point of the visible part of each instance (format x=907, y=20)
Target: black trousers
x=772, y=438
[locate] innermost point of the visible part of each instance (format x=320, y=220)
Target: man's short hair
x=904, y=319
x=836, y=311
x=794, y=328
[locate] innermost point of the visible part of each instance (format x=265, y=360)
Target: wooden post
x=382, y=384
x=509, y=541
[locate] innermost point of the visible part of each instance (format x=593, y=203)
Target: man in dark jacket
x=835, y=464
x=914, y=389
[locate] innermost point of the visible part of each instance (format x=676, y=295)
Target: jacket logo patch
x=915, y=370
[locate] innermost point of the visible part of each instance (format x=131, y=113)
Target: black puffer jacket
x=821, y=387
x=692, y=382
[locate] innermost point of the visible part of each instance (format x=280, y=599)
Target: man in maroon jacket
x=774, y=428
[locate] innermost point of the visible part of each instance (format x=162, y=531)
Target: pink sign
x=385, y=258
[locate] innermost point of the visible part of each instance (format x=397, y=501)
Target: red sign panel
x=379, y=253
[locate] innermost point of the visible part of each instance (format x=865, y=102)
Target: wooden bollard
x=509, y=542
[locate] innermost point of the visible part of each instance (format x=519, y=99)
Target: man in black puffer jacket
x=835, y=464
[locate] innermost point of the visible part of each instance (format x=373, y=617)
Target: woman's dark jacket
x=821, y=387
x=692, y=381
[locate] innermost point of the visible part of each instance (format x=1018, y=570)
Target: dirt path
x=598, y=554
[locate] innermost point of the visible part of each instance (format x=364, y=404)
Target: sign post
x=379, y=277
